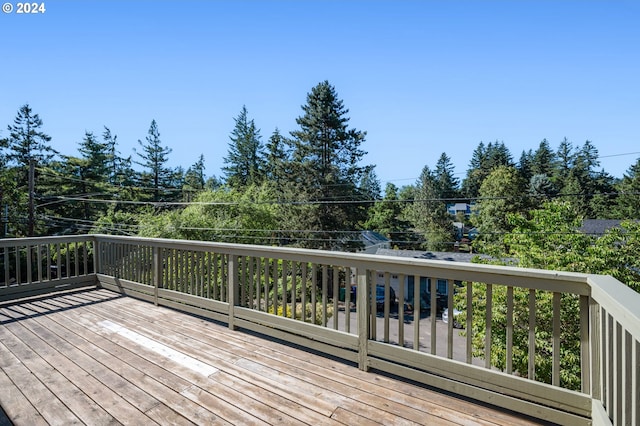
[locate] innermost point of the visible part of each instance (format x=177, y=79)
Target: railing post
x=157, y=273
x=585, y=344
x=362, y=308
x=97, y=259
x=595, y=349
x=232, y=289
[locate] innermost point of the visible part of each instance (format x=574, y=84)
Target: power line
x=329, y=202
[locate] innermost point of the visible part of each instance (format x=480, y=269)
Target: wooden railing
x=326, y=301
x=33, y=266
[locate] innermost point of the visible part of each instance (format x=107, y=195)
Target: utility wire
x=324, y=202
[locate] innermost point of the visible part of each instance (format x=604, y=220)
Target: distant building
x=455, y=208
x=598, y=227
x=373, y=241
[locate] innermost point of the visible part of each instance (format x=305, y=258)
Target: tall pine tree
x=27, y=145
x=245, y=164
x=628, y=202
x=446, y=182
x=429, y=215
x=325, y=165
x=156, y=175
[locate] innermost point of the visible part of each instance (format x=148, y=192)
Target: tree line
x=309, y=188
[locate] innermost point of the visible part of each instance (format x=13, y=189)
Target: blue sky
x=421, y=77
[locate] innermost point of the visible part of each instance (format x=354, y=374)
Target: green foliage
x=385, y=215
x=616, y=254
x=194, y=179
x=245, y=164
x=154, y=158
x=544, y=159
x=483, y=161
x=628, y=203
x=428, y=213
x=324, y=163
x=445, y=180
x=27, y=143
x=501, y=193
x=308, y=312
x=541, y=187
x=223, y=215
x=118, y=222
x=548, y=238
x=286, y=286
x=277, y=159
x=569, y=334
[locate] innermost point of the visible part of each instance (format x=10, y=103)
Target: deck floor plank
x=165, y=385
x=275, y=389
x=47, y=366
x=60, y=363
x=348, y=384
x=216, y=411
x=239, y=405
x=48, y=405
x=16, y=406
x=113, y=392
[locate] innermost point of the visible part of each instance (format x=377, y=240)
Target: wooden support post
x=233, y=289
x=362, y=308
x=157, y=273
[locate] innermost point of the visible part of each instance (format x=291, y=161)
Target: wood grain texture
x=58, y=365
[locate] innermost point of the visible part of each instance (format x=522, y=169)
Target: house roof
x=432, y=255
x=598, y=226
x=372, y=237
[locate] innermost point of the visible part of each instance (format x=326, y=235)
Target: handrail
x=283, y=291
x=619, y=299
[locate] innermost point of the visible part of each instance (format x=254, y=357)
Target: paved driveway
x=459, y=340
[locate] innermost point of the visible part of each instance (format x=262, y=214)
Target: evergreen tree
x=154, y=156
x=628, y=201
x=544, y=160
x=97, y=157
x=525, y=166
x=475, y=172
x=7, y=186
x=94, y=173
x=428, y=213
x=541, y=188
x=65, y=193
x=325, y=165
x=483, y=161
x=125, y=184
x=498, y=155
x=501, y=193
x=194, y=179
x=277, y=158
x=113, y=160
x=586, y=188
x=369, y=185
x=245, y=158
x=566, y=158
x=27, y=144
x=446, y=182
x=385, y=216
x=120, y=172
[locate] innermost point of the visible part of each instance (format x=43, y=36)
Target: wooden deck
x=95, y=357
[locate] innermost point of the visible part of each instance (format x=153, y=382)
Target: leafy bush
x=308, y=309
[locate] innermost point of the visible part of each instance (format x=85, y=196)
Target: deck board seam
x=65, y=355
x=202, y=388
x=435, y=410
